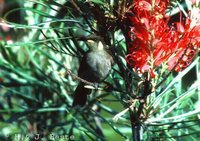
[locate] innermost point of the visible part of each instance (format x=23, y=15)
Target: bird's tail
x=80, y=95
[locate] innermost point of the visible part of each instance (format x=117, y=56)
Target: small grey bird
x=94, y=67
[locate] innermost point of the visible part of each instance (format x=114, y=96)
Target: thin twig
x=79, y=78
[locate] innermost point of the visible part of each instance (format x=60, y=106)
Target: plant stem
x=137, y=132
x=136, y=126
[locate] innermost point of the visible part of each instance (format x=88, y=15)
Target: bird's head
x=95, y=44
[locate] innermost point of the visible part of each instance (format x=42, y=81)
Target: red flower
x=138, y=59
x=153, y=41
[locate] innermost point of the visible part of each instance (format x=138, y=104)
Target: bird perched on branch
x=94, y=67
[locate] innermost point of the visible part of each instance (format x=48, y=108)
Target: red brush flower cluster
x=154, y=41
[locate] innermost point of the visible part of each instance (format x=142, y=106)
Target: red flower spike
x=153, y=41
